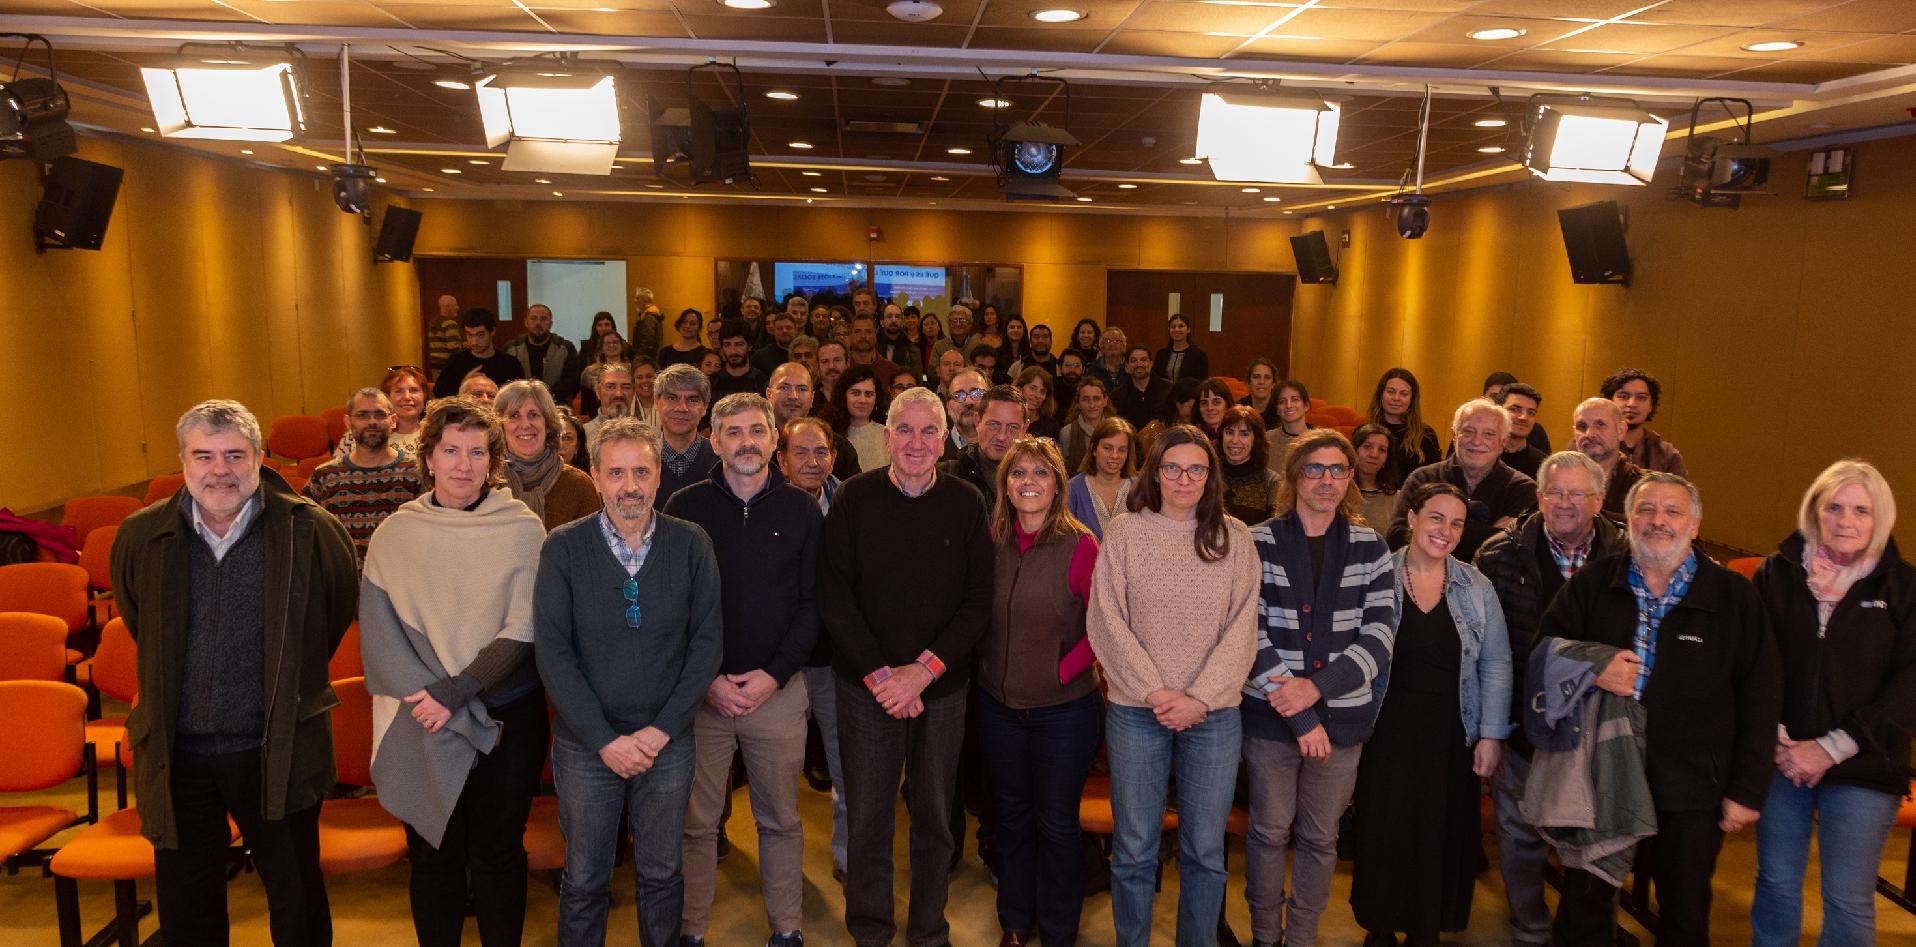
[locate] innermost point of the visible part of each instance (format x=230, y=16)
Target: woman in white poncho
x=459, y=716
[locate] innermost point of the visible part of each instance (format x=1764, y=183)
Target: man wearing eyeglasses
x=964, y=403
x=1327, y=624
x=1001, y=423
x=1497, y=494
x=1527, y=564
x=628, y=631
x=373, y=479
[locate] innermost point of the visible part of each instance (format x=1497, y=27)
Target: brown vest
x=1035, y=620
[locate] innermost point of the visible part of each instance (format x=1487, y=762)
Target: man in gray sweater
x=627, y=630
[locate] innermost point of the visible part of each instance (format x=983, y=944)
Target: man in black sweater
x=1000, y=425
x=478, y=356
x=1527, y=564
x=1140, y=397
x=1496, y=495
x=904, y=587
x=1695, y=649
x=735, y=373
x=765, y=534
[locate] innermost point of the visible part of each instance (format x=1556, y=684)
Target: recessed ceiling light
x=320, y=167
x=995, y=103
x=1251, y=190
x=246, y=151
x=452, y=84
x=1127, y=187
x=1491, y=150
x=541, y=181
x=1084, y=200
x=800, y=145
x=1333, y=207
x=939, y=177
x=893, y=81
x=148, y=130
x=1057, y=16
x=748, y=4
x=810, y=174
x=818, y=190
x=656, y=187
x=1287, y=212
x=1272, y=200
x=475, y=161
x=618, y=167
x=782, y=96
x=381, y=130
x=1490, y=123
x=1774, y=46
x=957, y=151
x=450, y=171
x=1496, y=33
x=1190, y=161
x=427, y=190
x=558, y=193
x=379, y=180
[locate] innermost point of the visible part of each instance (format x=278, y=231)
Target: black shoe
x=787, y=939
x=1225, y=936
x=838, y=874
x=819, y=779
x=724, y=846
x=1376, y=939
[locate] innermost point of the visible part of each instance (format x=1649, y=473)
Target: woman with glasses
x=459, y=716
x=1038, y=712
x=1173, y=621
x=536, y=468
x=1843, y=604
x=1441, y=729
x=1323, y=654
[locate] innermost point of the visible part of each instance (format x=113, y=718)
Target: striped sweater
x=362, y=497
x=1338, y=634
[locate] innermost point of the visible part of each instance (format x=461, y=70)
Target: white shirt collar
x=220, y=545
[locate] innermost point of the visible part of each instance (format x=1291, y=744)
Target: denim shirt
x=1485, y=675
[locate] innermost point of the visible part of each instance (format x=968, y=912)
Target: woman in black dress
x=1398, y=406
x=1445, y=715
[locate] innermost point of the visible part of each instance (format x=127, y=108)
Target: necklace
x=1425, y=601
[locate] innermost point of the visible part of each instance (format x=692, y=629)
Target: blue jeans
x=591, y=798
x=1038, y=760
x=1143, y=757
x=821, y=685
x=1851, y=824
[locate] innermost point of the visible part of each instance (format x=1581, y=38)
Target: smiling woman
x=535, y=470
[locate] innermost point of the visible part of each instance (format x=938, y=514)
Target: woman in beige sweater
x=1173, y=621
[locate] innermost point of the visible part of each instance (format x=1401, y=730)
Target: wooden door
x=474, y=281
x=1253, y=313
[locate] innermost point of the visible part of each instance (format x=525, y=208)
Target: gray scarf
x=530, y=479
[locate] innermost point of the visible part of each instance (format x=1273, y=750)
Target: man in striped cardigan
x=1327, y=620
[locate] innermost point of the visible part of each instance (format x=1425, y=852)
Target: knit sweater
x=604, y=679
x=362, y=497
x=1160, y=617
x=899, y=575
x=440, y=584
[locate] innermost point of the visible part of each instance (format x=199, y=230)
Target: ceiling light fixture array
x=1267, y=134
x=231, y=92
x=1592, y=140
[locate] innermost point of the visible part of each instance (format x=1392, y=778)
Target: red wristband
x=930, y=662
x=877, y=677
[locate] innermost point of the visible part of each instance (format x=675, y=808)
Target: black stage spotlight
x=1412, y=214
x=1029, y=156
x=1717, y=173
x=33, y=113
x=353, y=188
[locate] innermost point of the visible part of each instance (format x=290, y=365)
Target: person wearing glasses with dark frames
x=1327, y=625
x=459, y=717
x=628, y=628
x=964, y=406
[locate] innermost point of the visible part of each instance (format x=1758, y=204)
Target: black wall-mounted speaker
x=1313, y=258
x=75, y=205
x=397, y=230
x=1593, y=237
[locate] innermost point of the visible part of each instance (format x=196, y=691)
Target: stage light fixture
x=551, y=115
x=1029, y=156
x=1593, y=141
x=237, y=93
x=1718, y=172
x=1267, y=135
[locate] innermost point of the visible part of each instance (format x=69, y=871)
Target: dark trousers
x=876, y=748
x=1038, y=760
x=190, y=881
x=485, y=838
x=1681, y=857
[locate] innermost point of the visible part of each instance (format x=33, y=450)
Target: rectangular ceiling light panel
x=1265, y=136
x=230, y=101
x=1594, y=144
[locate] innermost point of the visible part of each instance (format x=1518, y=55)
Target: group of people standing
x=1117, y=592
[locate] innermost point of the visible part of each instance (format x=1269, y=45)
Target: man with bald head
x=1596, y=429
x=445, y=336
x=793, y=392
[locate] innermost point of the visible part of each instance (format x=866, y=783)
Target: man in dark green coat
x=237, y=590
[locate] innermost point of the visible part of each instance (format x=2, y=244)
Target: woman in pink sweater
x=1173, y=621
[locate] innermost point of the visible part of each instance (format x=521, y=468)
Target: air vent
x=886, y=128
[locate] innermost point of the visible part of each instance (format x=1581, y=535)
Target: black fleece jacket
x=1715, y=691
x=1858, y=673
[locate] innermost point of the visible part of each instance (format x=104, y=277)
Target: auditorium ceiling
x=889, y=108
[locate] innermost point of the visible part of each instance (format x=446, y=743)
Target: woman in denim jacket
x=1441, y=728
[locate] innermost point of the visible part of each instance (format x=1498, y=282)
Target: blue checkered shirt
x=1650, y=611
x=631, y=560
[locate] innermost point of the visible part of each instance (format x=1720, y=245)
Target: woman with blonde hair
x=1038, y=712
x=1842, y=605
x=1103, y=481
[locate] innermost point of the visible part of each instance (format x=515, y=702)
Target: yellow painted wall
x=1782, y=332
x=216, y=280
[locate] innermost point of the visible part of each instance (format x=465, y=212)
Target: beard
x=372, y=439
x=615, y=409
x=746, y=464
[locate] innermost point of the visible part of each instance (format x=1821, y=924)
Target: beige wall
x=1781, y=331
x=215, y=280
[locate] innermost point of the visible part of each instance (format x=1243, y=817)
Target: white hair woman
x=536, y=469
x=1842, y=604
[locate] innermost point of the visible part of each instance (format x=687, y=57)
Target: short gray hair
x=466, y=383
x=1570, y=458
x=1657, y=476
x=643, y=293
x=535, y=391
x=802, y=341
x=368, y=392
x=1476, y=406
x=626, y=429
x=961, y=307
x=918, y=398
x=682, y=377
x=219, y=415
x=739, y=402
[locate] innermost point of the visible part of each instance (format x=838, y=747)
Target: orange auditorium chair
x=33, y=647
x=297, y=437
x=346, y=662
x=86, y=514
x=113, y=672
x=1745, y=565
x=163, y=486
x=335, y=418
x=42, y=746
x=356, y=834
x=50, y=588
x=96, y=557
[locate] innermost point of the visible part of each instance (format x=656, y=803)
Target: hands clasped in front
x=633, y=754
